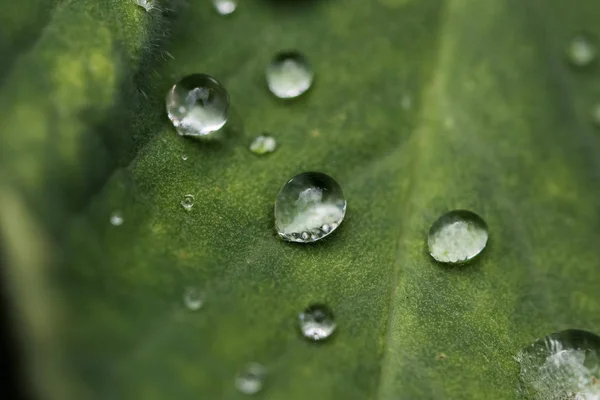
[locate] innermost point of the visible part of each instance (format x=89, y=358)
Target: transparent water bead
x=309, y=207
x=198, y=105
x=193, y=299
x=263, y=144
x=289, y=75
x=187, y=202
x=582, y=50
x=563, y=365
x=251, y=379
x=116, y=218
x=148, y=5
x=457, y=237
x=225, y=7
x=317, y=322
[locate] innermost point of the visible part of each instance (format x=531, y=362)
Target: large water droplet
x=116, y=218
x=198, y=105
x=250, y=380
x=225, y=7
x=581, y=50
x=263, y=144
x=289, y=75
x=457, y=237
x=187, y=202
x=317, y=322
x=193, y=299
x=563, y=365
x=309, y=207
x=148, y=5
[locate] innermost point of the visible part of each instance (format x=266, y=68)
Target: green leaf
x=497, y=123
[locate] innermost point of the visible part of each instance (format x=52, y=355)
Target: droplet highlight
x=309, y=207
x=563, y=365
x=147, y=5
x=317, y=322
x=116, y=218
x=289, y=75
x=193, y=299
x=187, y=202
x=184, y=157
x=457, y=237
x=198, y=105
x=263, y=144
x=582, y=50
x=225, y=7
x=251, y=379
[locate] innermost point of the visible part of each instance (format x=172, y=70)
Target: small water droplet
x=116, y=218
x=563, y=365
x=193, y=299
x=317, y=322
x=187, y=202
x=309, y=207
x=406, y=102
x=289, y=75
x=225, y=7
x=263, y=144
x=198, y=105
x=581, y=50
x=147, y=5
x=596, y=114
x=457, y=237
x=251, y=379
x=184, y=157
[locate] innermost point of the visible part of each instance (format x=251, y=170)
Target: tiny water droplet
x=457, y=237
x=251, y=379
x=309, y=207
x=289, y=75
x=187, y=202
x=317, y=322
x=563, y=365
x=148, y=5
x=116, y=218
x=193, y=299
x=184, y=157
x=581, y=51
x=225, y=7
x=198, y=105
x=263, y=144
x=596, y=114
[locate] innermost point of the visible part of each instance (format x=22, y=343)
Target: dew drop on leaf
x=184, y=157
x=147, y=5
x=309, y=207
x=317, y=322
x=581, y=51
x=251, y=379
x=187, y=202
x=198, y=105
x=563, y=365
x=289, y=75
x=457, y=237
x=263, y=144
x=193, y=299
x=225, y=7
x=116, y=218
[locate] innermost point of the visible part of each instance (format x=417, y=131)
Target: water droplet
x=193, y=299
x=289, y=75
x=198, y=105
x=250, y=380
x=317, y=322
x=582, y=50
x=596, y=114
x=116, y=218
x=406, y=102
x=225, y=7
x=309, y=207
x=563, y=365
x=457, y=237
x=187, y=202
x=263, y=144
x=148, y=5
